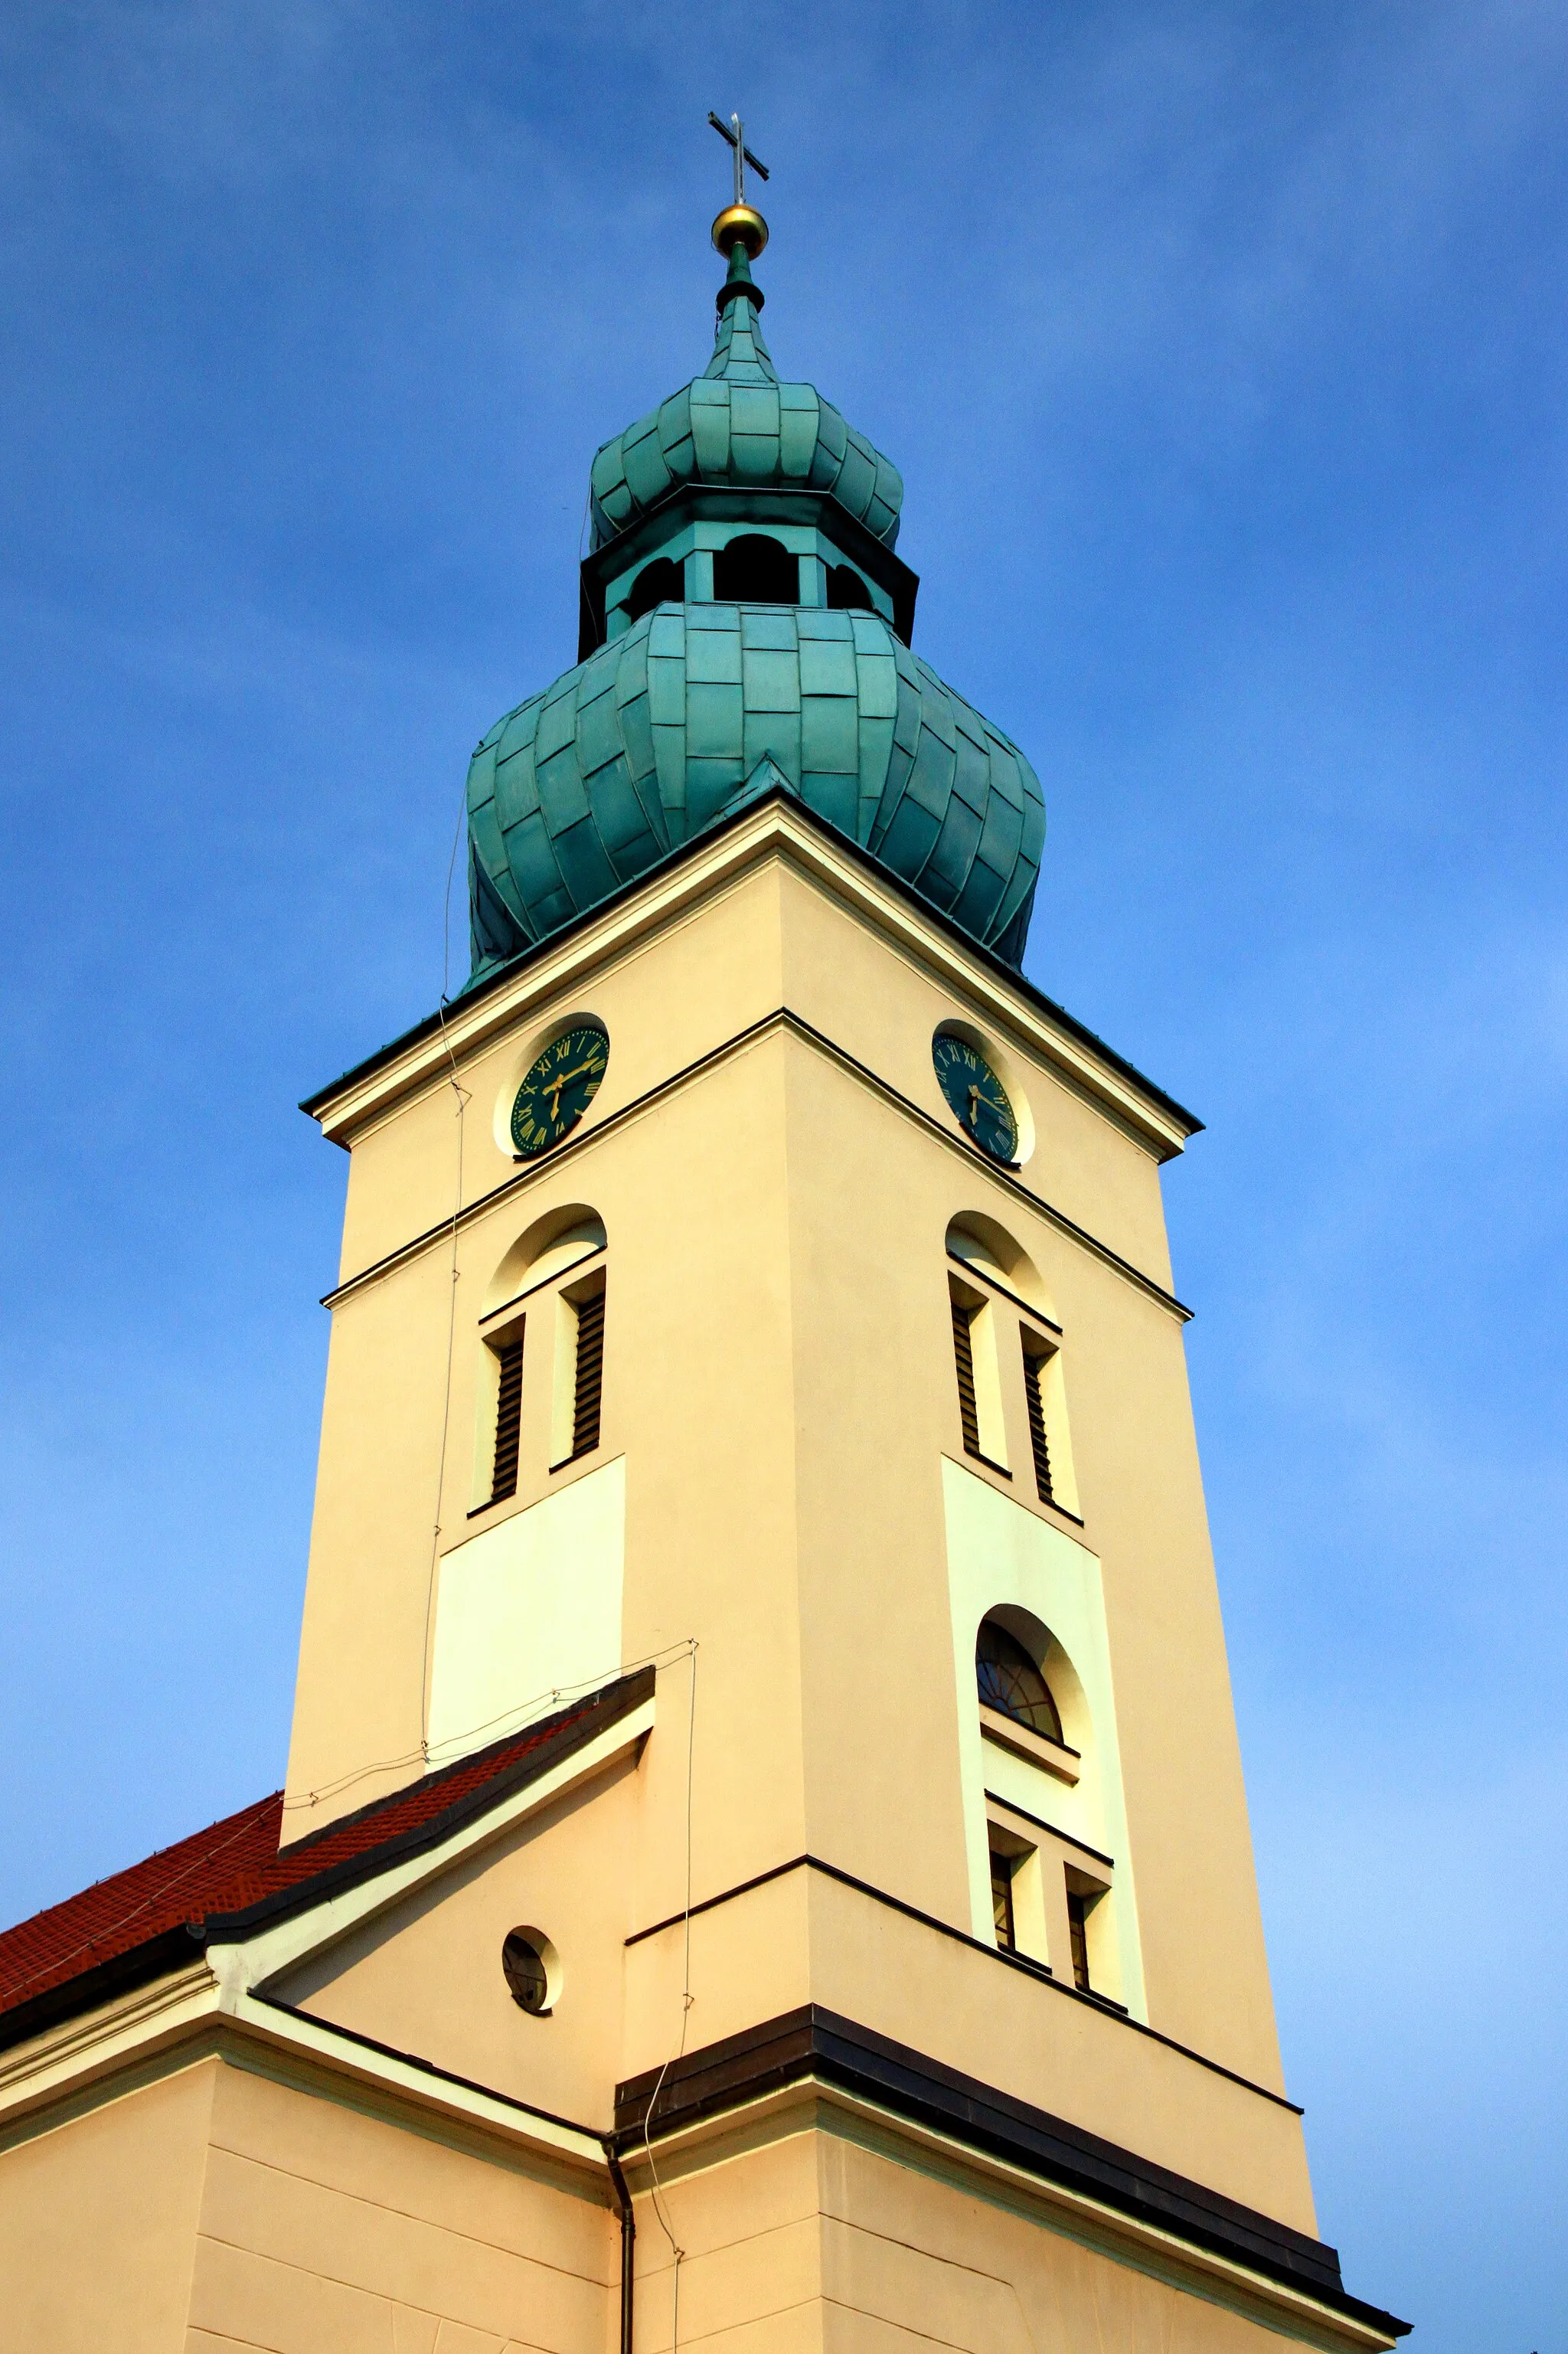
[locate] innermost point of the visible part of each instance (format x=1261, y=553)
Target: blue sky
x=1223, y=352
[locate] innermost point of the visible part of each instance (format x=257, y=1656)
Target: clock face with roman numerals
x=558, y=1088
x=977, y=1096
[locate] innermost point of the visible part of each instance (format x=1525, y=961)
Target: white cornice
x=191, y=2018
x=133, y=2029
x=410, y=2083
x=776, y=829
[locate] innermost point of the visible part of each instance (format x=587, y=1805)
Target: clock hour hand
x=999, y=1110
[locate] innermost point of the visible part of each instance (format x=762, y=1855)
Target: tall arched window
x=1007, y=1355
x=545, y=1308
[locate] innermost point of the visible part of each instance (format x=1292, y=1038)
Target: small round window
x=526, y=1958
x=1009, y=1680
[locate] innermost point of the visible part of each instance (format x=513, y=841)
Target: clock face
x=558, y=1089
x=977, y=1096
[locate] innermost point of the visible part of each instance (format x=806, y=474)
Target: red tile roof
x=235, y=1866
x=179, y=1883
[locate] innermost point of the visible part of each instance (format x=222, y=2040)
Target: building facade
x=764, y=1858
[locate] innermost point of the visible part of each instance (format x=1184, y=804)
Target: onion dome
x=744, y=625
x=735, y=423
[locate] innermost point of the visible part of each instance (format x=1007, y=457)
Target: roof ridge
x=537, y=1728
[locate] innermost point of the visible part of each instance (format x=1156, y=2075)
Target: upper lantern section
x=736, y=452
x=744, y=626
x=736, y=425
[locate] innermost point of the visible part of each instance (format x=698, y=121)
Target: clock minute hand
x=564, y=1079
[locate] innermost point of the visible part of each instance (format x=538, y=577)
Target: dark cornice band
x=813, y=2043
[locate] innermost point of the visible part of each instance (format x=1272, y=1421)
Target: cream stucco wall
x=426, y=1977
x=221, y=2205
x=97, y=2221
x=776, y=1173
x=325, y=2224
x=781, y=1514
x=527, y=1612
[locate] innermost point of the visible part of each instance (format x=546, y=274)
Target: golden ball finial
x=739, y=225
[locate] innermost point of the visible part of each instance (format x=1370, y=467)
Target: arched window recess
x=1018, y=1709
x=748, y=566
x=533, y=1262
x=983, y=1248
x=540, y=1376
x=1007, y=1358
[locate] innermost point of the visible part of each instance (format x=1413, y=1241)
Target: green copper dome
x=652, y=739
x=745, y=625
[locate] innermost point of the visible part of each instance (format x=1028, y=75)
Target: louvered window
x=964, y=1360
x=1033, y=1371
x=508, y=1418
x=979, y=1384
x=590, y=1377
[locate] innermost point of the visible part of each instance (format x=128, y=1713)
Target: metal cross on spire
x=734, y=132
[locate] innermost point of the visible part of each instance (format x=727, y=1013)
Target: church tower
x=764, y=1857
